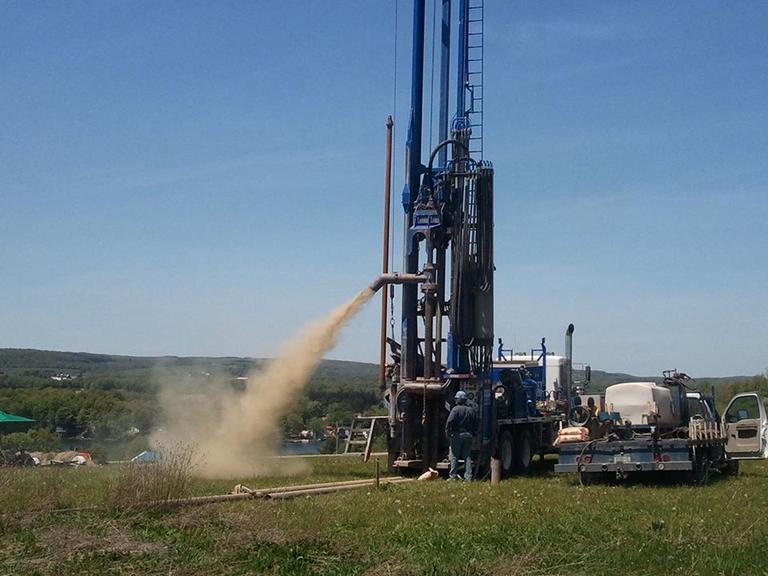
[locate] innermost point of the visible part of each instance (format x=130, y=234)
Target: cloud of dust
x=238, y=433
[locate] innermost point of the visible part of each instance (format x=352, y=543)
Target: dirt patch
x=392, y=567
x=65, y=542
x=235, y=526
x=530, y=564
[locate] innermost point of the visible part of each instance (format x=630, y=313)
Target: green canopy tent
x=12, y=423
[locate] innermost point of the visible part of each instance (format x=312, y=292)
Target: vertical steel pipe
x=440, y=294
x=385, y=253
x=445, y=72
x=445, y=78
x=413, y=179
x=463, y=66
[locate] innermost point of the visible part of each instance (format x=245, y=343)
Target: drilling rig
x=447, y=295
x=448, y=238
x=446, y=332
x=447, y=329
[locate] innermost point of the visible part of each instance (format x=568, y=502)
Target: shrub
x=152, y=484
x=35, y=440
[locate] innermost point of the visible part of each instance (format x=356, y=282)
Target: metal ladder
x=475, y=54
x=361, y=433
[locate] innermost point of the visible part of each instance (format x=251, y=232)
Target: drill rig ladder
x=474, y=78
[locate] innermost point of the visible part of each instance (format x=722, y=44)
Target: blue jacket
x=461, y=419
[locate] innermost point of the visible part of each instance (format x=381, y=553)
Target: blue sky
x=202, y=178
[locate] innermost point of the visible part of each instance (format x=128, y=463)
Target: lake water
x=301, y=448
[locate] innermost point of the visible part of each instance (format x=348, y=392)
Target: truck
x=531, y=402
x=529, y=406
x=646, y=428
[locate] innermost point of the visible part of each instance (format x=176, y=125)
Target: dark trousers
x=461, y=449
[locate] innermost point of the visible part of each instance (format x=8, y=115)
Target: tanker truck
x=646, y=428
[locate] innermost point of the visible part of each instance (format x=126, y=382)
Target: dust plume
x=238, y=433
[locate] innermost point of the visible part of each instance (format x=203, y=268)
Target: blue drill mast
x=447, y=319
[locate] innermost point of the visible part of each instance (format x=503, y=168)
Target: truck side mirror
x=588, y=373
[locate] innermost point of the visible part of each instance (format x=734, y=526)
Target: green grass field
x=535, y=525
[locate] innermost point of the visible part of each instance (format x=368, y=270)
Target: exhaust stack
x=569, y=367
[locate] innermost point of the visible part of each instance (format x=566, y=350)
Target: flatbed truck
x=698, y=442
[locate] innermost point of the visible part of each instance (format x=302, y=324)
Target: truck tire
x=731, y=468
x=590, y=478
x=507, y=453
x=523, y=452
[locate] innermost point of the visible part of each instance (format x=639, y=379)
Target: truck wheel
x=589, y=478
x=506, y=453
x=523, y=452
x=731, y=468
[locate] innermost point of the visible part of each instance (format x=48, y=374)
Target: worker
x=460, y=428
x=594, y=411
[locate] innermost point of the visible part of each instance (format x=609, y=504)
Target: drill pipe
x=281, y=492
x=396, y=278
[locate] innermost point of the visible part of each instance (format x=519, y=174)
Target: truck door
x=746, y=427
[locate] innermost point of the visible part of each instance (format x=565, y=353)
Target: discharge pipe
x=397, y=278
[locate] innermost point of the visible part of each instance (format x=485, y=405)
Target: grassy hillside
x=530, y=525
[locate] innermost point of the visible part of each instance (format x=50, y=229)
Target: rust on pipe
x=426, y=388
x=385, y=254
x=495, y=470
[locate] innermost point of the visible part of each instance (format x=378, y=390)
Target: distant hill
x=46, y=363
x=601, y=380
x=17, y=360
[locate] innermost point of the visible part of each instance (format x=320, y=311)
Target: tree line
x=114, y=406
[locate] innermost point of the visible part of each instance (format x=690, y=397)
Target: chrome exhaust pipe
x=569, y=367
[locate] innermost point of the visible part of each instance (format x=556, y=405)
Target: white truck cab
x=746, y=427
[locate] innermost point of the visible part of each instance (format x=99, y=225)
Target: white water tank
x=642, y=403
